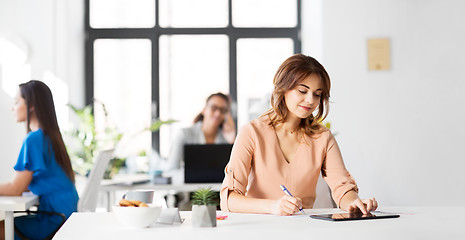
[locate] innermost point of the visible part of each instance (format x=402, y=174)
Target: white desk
x=167, y=189
x=184, y=187
x=120, y=182
x=109, y=187
x=414, y=223
x=9, y=205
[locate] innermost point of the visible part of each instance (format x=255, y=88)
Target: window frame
x=154, y=34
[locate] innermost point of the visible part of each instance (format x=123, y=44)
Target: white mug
x=145, y=196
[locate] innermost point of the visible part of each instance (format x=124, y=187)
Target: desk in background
x=414, y=223
x=9, y=204
x=108, y=188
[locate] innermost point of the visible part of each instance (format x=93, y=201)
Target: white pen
x=289, y=194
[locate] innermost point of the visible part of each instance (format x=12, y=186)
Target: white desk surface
x=8, y=204
x=120, y=182
x=184, y=187
x=17, y=203
x=414, y=223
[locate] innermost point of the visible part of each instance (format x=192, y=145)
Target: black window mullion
x=156, y=76
x=121, y=33
x=239, y=32
x=233, y=70
x=265, y=32
x=89, y=71
x=89, y=58
x=156, y=88
x=232, y=62
x=298, y=37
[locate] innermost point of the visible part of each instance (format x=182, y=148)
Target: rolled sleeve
x=238, y=168
x=342, y=186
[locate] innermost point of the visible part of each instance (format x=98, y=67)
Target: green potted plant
x=204, y=205
x=85, y=142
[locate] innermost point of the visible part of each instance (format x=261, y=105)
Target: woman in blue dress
x=43, y=166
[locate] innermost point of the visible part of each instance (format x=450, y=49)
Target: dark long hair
x=38, y=96
x=200, y=116
x=291, y=72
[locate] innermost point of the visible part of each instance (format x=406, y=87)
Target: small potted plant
x=204, y=205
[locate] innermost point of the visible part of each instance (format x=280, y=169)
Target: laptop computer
x=205, y=163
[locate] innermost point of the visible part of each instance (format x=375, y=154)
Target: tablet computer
x=354, y=216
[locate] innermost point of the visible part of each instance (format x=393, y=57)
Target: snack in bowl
x=132, y=216
x=143, y=205
x=132, y=203
x=136, y=202
x=125, y=203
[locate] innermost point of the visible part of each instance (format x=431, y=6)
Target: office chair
x=323, y=195
x=48, y=237
x=88, y=199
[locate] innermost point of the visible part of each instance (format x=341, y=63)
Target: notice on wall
x=379, y=54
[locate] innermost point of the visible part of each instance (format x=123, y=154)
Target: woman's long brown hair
x=291, y=72
x=38, y=96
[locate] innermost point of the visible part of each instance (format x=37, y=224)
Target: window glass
x=122, y=82
x=193, y=13
x=191, y=68
x=122, y=13
x=191, y=64
x=257, y=62
x=264, y=13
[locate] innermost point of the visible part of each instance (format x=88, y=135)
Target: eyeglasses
x=215, y=108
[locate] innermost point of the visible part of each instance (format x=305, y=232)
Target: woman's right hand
x=286, y=206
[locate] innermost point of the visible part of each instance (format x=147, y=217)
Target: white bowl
x=137, y=217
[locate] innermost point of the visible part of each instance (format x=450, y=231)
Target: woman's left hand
x=363, y=205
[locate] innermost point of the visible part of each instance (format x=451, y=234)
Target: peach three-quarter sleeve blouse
x=257, y=166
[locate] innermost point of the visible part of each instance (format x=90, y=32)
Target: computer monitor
x=205, y=163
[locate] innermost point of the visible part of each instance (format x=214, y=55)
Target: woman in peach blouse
x=288, y=146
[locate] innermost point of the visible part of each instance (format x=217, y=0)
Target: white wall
x=401, y=131
x=54, y=33
x=11, y=135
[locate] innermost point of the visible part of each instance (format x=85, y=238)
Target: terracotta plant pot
x=204, y=215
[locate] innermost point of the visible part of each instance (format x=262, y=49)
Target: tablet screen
x=354, y=216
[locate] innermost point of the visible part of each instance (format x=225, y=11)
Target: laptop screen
x=205, y=163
